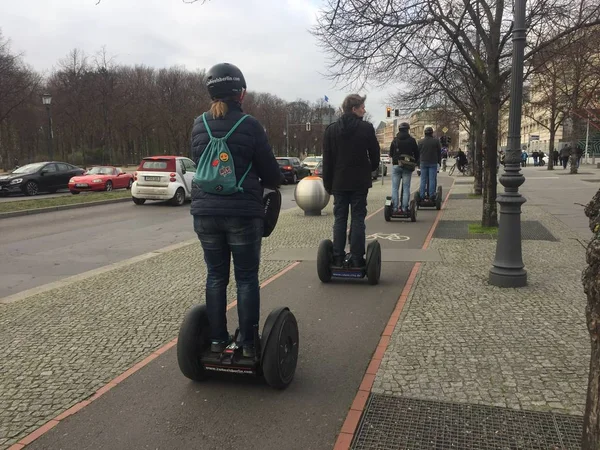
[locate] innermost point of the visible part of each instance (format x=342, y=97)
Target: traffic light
x=443, y=140
x=449, y=140
x=307, y=126
x=389, y=112
x=397, y=112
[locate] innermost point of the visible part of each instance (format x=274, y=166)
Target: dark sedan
x=292, y=169
x=32, y=179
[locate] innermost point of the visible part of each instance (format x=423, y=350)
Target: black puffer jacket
x=404, y=144
x=430, y=150
x=350, y=154
x=247, y=144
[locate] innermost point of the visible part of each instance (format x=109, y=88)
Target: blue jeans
x=400, y=173
x=342, y=201
x=222, y=236
x=428, y=173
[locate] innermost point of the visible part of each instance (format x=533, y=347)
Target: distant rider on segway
x=404, y=151
x=430, y=153
x=350, y=154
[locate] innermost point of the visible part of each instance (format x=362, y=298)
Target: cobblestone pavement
x=462, y=340
x=57, y=348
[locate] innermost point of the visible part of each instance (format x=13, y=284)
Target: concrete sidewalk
x=470, y=365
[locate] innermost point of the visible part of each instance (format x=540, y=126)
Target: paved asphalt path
x=558, y=193
x=340, y=326
x=43, y=248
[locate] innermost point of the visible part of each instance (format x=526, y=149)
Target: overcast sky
x=267, y=39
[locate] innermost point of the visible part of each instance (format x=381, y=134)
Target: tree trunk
x=478, y=169
x=591, y=286
x=490, y=208
x=551, y=146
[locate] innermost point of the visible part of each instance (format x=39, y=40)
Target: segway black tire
x=413, y=211
x=387, y=213
x=438, y=198
x=193, y=340
x=325, y=260
x=417, y=199
x=280, y=349
x=373, y=262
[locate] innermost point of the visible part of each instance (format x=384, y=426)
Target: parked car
x=31, y=179
x=101, y=178
x=312, y=162
x=165, y=178
x=379, y=172
x=386, y=159
x=292, y=169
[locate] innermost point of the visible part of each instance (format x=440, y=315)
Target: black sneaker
x=249, y=351
x=218, y=346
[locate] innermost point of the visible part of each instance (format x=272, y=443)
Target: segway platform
x=276, y=352
x=389, y=213
x=429, y=202
x=326, y=270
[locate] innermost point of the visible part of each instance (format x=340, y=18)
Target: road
x=43, y=248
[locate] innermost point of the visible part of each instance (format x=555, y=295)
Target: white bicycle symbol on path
x=389, y=237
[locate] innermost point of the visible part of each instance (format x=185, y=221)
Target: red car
x=101, y=178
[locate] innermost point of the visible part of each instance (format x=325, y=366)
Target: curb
x=350, y=425
x=29, y=212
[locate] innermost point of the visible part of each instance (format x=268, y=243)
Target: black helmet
x=404, y=126
x=428, y=130
x=225, y=80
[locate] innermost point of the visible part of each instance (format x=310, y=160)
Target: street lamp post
x=47, y=100
x=508, y=268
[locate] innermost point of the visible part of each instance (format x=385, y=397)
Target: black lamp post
x=508, y=268
x=47, y=100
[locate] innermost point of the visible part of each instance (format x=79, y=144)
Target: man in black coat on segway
x=350, y=154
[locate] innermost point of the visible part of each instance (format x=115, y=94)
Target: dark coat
x=430, y=150
x=350, y=154
x=404, y=144
x=247, y=144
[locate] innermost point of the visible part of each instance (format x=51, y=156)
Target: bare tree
x=375, y=40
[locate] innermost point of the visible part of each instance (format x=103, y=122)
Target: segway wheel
x=387, y=213
x=413, y=211
x=417, y=199
x=280, y=351
x=373, y=262
x=438, y=198
x=193, y=340
x=324, y=260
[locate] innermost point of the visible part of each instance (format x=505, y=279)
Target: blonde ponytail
x=218, y=108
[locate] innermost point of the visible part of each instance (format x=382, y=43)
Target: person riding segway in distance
x=404, y=151
x=351, y=153
x=430, y=153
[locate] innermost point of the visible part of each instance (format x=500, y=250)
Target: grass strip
x=48, y=202
x=476, y=228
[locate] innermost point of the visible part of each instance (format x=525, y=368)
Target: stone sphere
x=311, y=196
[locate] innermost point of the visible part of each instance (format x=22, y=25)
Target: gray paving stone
x=57, y=348
x=522, y=349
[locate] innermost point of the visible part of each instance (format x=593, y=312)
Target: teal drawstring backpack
x=216, y=171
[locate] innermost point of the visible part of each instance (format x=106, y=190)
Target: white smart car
x=163, y=178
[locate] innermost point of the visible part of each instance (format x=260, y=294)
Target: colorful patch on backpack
x=224, y=157
x=215, y=163
x=224, y=171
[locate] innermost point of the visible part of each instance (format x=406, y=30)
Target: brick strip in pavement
x=459, y=341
